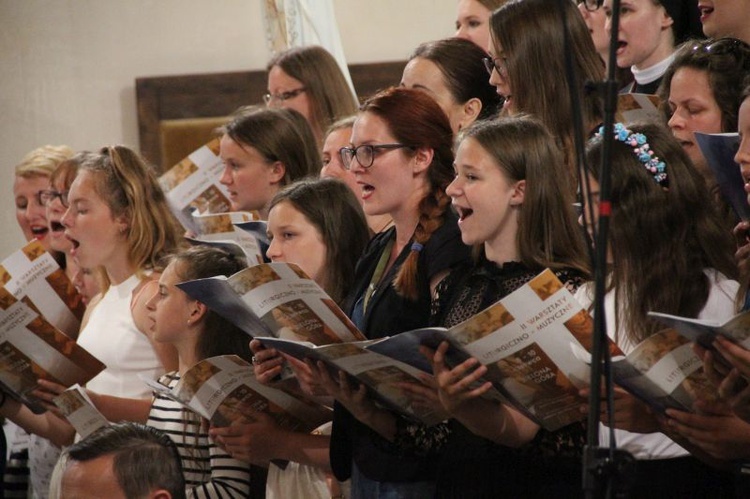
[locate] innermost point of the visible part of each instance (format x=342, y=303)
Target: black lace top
x=472, y=464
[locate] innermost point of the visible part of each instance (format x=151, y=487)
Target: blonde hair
x=42, y=161
x=130, y=189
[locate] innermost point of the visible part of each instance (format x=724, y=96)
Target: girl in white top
x=667, y=252
x=118, y=218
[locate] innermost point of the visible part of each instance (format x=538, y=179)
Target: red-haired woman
x=401, y=156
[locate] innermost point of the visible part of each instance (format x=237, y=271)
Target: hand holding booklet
x=224, y=389
x=36, y=298
x=526, y=340
x=275, y=299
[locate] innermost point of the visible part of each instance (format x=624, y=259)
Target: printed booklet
x=704, y=331
x=526, y=340
x=37, y=300
x=275, y=299
x=719, y=150
x=664, y=372
x=224, y=389
x=637, y=107
x=192, y=186
x=232, y=231
x=80, y=411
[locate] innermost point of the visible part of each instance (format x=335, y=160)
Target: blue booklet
x=719, y=150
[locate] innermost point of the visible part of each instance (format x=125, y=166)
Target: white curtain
x=296, y=23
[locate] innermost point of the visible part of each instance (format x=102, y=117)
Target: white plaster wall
x=68, y=67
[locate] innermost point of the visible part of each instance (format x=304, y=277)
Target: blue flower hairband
x=642, y=150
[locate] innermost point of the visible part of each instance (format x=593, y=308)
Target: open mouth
x=705, y=11
x=56, y=227
x=506, y=100
x=367, y=190
x=463, y=213
x=621, y=46
x=39, y=231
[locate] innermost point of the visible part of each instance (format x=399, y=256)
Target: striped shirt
x=209, y=471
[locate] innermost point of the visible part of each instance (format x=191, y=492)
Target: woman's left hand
x=714, y=429
x=252, y=441
x=424, y=394
x=356, y=400
x=46, y=393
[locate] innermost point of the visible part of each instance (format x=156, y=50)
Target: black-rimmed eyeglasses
x=499, y=64
x=46, y=197
x=365, y=153
x=269, y=99
x=591, y=5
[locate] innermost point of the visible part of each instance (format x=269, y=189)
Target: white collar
x=652, y=73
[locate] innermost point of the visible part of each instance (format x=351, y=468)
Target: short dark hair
x=144, y=458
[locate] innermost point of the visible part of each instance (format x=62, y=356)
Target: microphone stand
x=604, y=468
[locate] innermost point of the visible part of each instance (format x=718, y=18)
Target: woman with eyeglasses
x=401, y=156
x=648, y=33
x=32, y=180
x=451, y=71
x=527, y=65
x=595, y=19
x=117, y=218
x=337, y=136
x=262, y=151
x=310, y=81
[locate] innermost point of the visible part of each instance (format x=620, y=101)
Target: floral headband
x=642, y=151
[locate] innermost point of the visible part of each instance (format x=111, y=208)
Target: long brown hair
x=130, y=189
x=414, y=118
x=325, y=84
x=548, y=232
x=219, y=336
x=336, y=213
x=530, y=34
x=662, y=239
